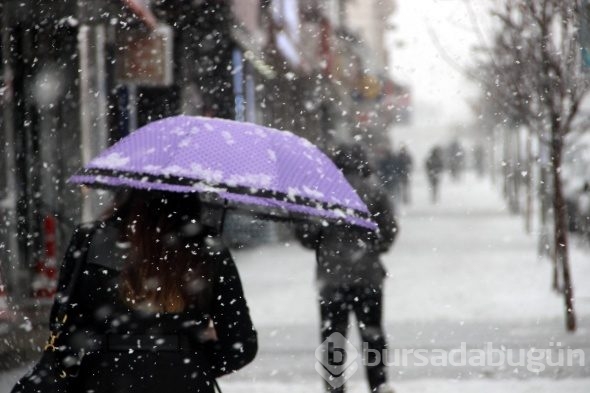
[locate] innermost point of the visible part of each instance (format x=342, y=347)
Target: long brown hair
x=167, y=268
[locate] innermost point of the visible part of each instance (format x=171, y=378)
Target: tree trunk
x=529, y=183
x=505, y=166
x=517, y=178
x=510, y=171
x=561, y=234
x=492, y=157
x=546, y=240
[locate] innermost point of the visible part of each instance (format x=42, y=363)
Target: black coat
x=347, y=255
x=99, y=321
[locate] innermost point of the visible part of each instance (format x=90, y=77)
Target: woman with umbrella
x=159, y=304
x=149, y=299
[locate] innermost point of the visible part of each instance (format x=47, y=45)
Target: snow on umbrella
x=242, y=165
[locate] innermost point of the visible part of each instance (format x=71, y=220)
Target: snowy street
x=144, y=144
x=462, y=271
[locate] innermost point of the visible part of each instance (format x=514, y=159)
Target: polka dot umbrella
x=271, y=173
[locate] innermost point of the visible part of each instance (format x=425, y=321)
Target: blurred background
x=474, y=118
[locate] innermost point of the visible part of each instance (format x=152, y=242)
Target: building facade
x=77, y=75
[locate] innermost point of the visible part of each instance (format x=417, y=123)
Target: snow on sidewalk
x=463, y=259
x=462, y=271
x=8, y=379
x=468, y=259
x=428, y=386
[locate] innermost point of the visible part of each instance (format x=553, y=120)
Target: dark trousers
x=336, y=303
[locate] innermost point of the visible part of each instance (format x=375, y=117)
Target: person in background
x=479, y=160
x=405, y=164
x=350, y=273
x=388, y=172
x=456, y=159
x=434, y=169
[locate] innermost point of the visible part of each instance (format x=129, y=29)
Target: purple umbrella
x=242, y=165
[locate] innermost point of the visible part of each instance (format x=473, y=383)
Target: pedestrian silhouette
x=456, y=159
x=405, y=165
x=388, y=172
x=349, y=270
x=434, y=168
x=479, y=159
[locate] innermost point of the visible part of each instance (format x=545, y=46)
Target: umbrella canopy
x=243, y=165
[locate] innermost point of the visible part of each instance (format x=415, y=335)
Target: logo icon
x=336, y=360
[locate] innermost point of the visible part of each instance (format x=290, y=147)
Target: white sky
x=440, y=92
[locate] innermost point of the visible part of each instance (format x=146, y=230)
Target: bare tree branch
x=535, y=74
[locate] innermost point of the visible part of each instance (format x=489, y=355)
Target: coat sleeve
x=385, y=218
x=236, y=343
x=46, y=375
x=71, y=258
x=67, y=358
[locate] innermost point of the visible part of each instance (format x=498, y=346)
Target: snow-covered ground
x=432, y=386
x=465, y=259
x=462, y=271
